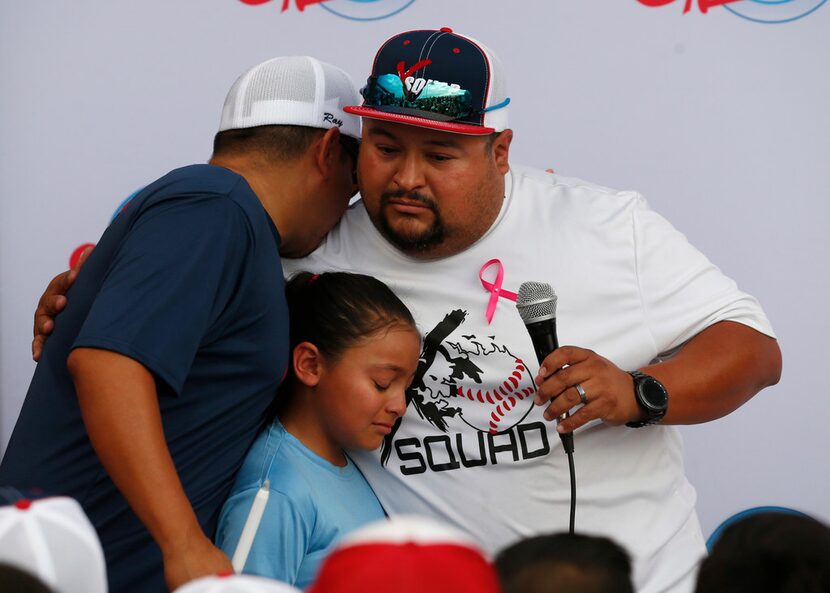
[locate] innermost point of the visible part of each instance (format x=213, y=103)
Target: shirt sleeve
x=682, y=292
x=169, y=281
x=280, y=543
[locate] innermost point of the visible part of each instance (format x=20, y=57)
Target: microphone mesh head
x=536, y=302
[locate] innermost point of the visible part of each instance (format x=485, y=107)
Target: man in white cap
x=159, y=372
x=454, y=229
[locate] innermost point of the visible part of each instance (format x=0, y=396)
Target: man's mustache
x=413, y=196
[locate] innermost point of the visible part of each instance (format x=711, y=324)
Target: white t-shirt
x=629, y=286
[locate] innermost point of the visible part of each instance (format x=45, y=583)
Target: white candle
x=246, y=540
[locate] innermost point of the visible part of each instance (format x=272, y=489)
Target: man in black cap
x=454, y=229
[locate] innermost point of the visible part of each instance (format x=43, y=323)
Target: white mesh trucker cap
x=294, y=90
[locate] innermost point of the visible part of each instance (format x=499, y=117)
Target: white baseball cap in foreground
x=53, y=539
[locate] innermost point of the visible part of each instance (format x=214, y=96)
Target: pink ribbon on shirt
x=494, y=288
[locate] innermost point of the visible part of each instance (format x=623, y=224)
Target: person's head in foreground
x=236, y=583
x=16, y=580
x=564, y=563
x=284, y=130
x=435, y=141
x=53, y=540
x=355, y=349
x=769, y=552
x=406, y=554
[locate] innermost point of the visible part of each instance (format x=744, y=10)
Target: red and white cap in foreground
x=406, y=554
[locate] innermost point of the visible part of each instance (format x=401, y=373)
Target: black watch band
x=652, y=398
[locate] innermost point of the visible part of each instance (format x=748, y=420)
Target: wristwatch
x=651, y=396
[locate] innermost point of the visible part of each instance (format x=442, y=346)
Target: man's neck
x=271, y=183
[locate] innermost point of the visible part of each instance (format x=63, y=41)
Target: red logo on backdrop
x=76, y=255
x=769, y=12
x=301, y=4
x=353, y=10
x=703, y=5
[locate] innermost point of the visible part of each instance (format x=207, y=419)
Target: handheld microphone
x=536, y=303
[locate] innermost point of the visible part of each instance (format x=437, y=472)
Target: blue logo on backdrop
x=773, y=12
x=366, y=10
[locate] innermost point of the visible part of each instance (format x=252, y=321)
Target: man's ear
x=327, y=151
x=307, y=363
x=501, y=150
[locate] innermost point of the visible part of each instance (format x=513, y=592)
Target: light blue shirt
x=311, y=505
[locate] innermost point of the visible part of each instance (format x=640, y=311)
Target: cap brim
x=421, y=122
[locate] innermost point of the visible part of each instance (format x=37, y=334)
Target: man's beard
x=412, y=243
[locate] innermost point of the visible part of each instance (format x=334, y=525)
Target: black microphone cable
x=536, y=303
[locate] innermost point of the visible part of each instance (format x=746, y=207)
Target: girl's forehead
x=395, y=346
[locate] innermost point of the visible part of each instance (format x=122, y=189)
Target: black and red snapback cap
x=438, y=80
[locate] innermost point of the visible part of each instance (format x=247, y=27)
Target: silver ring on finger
x=583, y=398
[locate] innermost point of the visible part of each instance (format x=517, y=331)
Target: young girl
x=355, y=349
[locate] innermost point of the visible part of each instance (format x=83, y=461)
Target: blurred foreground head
x=769, y=552
x=17, y=580
x=564, y=563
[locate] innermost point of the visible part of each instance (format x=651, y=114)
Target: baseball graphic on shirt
x=469, y=379
x=479, y=382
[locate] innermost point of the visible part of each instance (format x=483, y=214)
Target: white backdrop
x=722, y=122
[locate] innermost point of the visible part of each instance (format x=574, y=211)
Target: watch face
x=654, y=394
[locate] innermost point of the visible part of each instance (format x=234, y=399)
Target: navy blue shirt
x=187, y=280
